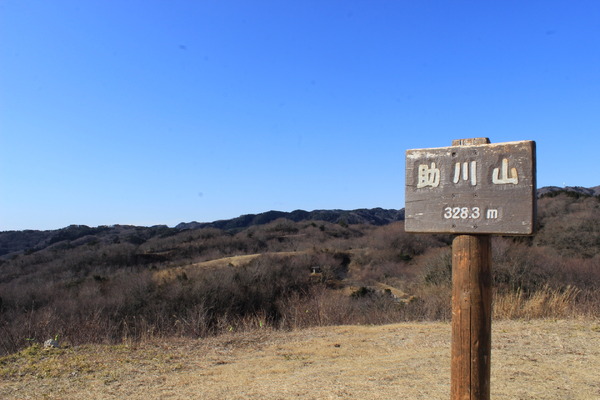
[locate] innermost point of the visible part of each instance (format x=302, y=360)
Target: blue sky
x=159, y=112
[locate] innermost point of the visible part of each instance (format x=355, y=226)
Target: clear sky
x=159, y=112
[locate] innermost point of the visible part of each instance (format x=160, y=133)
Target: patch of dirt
x=539, y=359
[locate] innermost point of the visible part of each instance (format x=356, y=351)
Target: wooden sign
x=472, y=187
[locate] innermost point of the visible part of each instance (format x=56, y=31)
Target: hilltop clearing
x=540, y=359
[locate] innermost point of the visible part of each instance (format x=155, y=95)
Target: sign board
x=472, y=189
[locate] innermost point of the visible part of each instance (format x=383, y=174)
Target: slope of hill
x=13, y=243
x=104, y=284
x=577, y=190
x=18, y=242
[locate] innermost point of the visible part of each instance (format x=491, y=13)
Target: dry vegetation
x=91, y=285
x=539, y=359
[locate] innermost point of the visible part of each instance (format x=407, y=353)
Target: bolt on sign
x=472, y=187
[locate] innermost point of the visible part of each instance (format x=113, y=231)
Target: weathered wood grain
x=472, y=187
x=471, y=317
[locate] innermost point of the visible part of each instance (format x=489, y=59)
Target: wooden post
x=471, y=317
x=473, y=189
x=471, y=312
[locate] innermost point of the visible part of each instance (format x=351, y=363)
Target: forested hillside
x=108, y=284
x=13, y=243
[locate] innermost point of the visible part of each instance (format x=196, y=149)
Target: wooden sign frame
x=472, y=187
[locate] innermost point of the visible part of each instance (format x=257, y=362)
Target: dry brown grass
x=544, y=303
x=538, y=359
x=169, y=274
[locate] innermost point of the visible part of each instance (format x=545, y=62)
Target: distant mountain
x=593, y=191
x=29, y=241
x=374, y=216
x=18, y=242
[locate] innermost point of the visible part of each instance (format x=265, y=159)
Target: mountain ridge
x=592, y=191
x=17, y=242
x=374, y=216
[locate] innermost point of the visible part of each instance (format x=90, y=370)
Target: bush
x=438, y=267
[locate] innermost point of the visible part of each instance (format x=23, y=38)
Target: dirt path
x=237, y=260
x=530, y=360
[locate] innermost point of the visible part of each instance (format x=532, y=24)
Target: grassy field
x=538, y=359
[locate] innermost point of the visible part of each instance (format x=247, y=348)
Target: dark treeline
x=110, y=284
